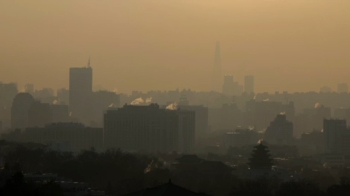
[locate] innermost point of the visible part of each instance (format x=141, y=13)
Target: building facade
x=60, y=113
x=149, y=129
x=80, y=93
x=75, y=135
x=8, y=91
x=201, y=118
x=39, y=114
x=280, y=131
x=19, y=110
x=333, y=130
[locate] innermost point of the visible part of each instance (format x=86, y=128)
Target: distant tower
x=249, y=84
x=80, y=92
x=217, y=79
x=88, y=63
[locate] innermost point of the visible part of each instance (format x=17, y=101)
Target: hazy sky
x=294, y=45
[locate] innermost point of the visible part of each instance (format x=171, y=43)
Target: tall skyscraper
x=249, y=84
x=217, y=77
x=80, y=92
x=7, y=92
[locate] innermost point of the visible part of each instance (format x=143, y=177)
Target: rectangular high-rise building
x=7, y=92
x=80, y=93
x=249, y=84
x=333, y=130
x=149, y=129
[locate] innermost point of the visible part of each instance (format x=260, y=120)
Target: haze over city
x=174, y=98
x=159, y=45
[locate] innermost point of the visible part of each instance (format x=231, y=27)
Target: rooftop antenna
x=88, y=62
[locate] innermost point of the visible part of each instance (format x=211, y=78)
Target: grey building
x=39, y=114
x=333, y=130
x=149, y=129
x=75, y=135
x=80, y=93
x=280, y=131
x=19, y=110
x=8, y=91
x=60, y=113
x=201, y=118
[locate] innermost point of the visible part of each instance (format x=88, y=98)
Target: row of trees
x=119, y=173
x=17, y=186
x=125, y=171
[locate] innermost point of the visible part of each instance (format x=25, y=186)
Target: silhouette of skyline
x=285, y=47
x=184, y=97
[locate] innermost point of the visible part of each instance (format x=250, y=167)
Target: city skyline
x=301, y=50
x=175, y=97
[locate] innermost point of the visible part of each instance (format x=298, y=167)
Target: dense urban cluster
x=221, y=142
